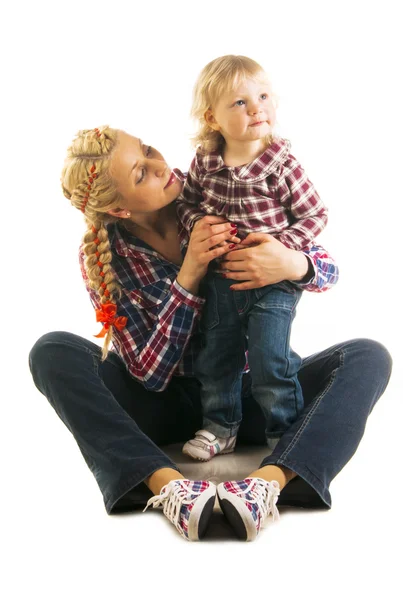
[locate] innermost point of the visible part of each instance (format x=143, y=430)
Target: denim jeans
x=119, y=425
x=260, y=320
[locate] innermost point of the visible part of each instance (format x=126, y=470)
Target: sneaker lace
x=172, y=498
x=265, y=494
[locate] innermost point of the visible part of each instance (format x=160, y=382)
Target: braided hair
x=87, y=183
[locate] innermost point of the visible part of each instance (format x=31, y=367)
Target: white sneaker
x=247, y=504
x=188, y=505
x=206, y=445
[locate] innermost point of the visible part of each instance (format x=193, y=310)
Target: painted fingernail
x=235, y=230
x=232, y=246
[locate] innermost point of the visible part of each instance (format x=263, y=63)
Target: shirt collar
x=258, y=169
x=127, y=244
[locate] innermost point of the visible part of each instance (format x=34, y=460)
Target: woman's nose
x=159, y=167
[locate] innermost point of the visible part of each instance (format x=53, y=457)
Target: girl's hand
x=211, y=237
x=260, y=259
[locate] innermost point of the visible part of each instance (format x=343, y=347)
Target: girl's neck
x=237, y=153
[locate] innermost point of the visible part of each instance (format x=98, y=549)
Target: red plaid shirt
x=272, y=194
x=162, y=338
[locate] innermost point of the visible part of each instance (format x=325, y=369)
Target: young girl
x=243, y=173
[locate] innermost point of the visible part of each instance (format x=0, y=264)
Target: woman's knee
x=374, y=355
x=49, y=347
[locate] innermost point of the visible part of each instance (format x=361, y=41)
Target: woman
x=146, y=292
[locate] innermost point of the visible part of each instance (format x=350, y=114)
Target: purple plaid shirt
x=162, y=338
x=272, y=194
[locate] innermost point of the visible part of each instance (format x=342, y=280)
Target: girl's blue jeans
x=259, y=321
x=119, y=425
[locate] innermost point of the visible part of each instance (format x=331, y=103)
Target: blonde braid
x=87, y=183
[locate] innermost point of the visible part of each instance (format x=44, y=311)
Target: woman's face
x=142, y=175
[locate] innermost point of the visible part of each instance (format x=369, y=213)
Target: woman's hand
x=209, y=239
x=260, y=259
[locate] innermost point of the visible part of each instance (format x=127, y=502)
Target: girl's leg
x=221, y=360
x=115, y=421
x=341, y=386
x=274, y=366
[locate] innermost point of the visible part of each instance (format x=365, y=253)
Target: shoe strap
x=206, y=434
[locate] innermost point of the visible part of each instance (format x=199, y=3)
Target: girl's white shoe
x=206, y=445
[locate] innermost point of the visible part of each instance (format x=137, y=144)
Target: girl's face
x=244, y=114
x=143, y=177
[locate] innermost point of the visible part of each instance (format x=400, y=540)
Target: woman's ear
x=121, y=213
x=210, y=120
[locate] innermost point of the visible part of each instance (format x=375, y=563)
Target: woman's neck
x=160, y=223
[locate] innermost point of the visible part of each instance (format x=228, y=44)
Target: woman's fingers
x=216, y=252
x=246, y=285
x=204, y=230
x=233, y=265
x=209, y=238
x=221, y=239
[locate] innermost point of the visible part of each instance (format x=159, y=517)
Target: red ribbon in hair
x=106, y=315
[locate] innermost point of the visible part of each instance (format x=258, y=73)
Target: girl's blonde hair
x=220, y=76
x=87, y=183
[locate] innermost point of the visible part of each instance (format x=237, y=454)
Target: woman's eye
x=143, y=172
x=264, y=96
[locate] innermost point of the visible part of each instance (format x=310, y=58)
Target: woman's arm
x=161, y=315
x=261, y=260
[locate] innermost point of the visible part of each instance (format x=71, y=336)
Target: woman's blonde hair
x=87, y=183
x=220, y=76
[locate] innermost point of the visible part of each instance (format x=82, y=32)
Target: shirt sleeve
x=325, y=270
x=188, y=202
x=158, y=329
x=298, y=195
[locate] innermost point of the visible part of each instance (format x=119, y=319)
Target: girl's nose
x=253, y=108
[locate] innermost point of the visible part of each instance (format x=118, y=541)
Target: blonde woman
x=143, y=276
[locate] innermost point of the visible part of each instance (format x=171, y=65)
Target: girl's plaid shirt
x=272, y=194
x=162, y=337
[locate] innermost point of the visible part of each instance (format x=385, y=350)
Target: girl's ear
x=210, y=120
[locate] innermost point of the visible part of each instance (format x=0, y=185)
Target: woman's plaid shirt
x=272, y=194
x=162, y=338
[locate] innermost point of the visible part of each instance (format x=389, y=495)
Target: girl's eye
x=264, y=96
x=239, y=102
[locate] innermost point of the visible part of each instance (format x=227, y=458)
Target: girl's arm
x=187, y=204
x=298, y=195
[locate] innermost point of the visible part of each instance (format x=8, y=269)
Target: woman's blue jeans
x=260, y=320
x=119, y=425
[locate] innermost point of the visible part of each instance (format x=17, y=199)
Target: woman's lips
x=258, y=123
x=170, y=180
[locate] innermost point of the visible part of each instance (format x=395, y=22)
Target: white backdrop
x=336, y=68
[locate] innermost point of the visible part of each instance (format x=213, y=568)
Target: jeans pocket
x=279, y=295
